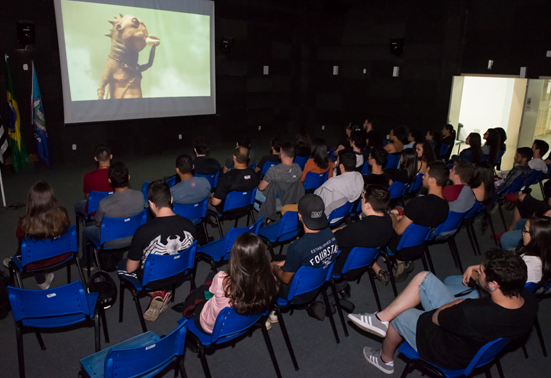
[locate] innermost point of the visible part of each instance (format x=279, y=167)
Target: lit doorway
x=536, y=120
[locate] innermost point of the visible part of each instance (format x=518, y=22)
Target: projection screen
x=131, y=59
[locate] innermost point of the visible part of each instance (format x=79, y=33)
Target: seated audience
x=125, y=202
x=357, y=144
x=43, y=219
x=448, y=332
x=448, y=133
x=283, y=181
x=425, y=155
x=506, y=178
x=491, y=147
x=96, y=180
x=397, y=136
x=248, y=286
x=204, y=165
x=273, y=157
x=190, y=189
x=434, y=137
x=347, y=187
x=345, y=142
x=377, y=160
x=251, y=159
x=460, y=196
x=502, y=147
x=482, y=182
x=408, y=168
x=165, y=234
x=373, y=230
x=414, y=137
x=370, y=124
x=304, y=144
x=241, y=178
x=373, y=140
x=539, y=148
x=473, y=154
x=319, y=162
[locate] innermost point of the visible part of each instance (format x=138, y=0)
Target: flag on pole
x=3, y=143
x=39, y=122
x=16, y=143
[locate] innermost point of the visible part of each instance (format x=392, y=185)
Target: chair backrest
x=516, y=185
x=171, y=181
x=444, y=149
x=315, y=180
x=365, y=169
x=307, y=279
x=416, y=185
x=213, y=178
x=94, y=198
x=35, y=250
x=118, y=228
x=474, y=210
x=288, y=224
x=301, y=160
x=236, y=200
x=393, y=160
x=192, y=211
x=234, y=232
x=360, y=257
x=450, y=225
x=157, y=267
x=413, y=235
x=144, y=190
x=60, y=301
x=340, y=212
x=229, y=325
x=397, y=189
x=533, y=178
x=486, y=354
x=267, y=165
x=135, y=362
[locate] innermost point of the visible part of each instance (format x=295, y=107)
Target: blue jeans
x=455, y=285
x=510, y=239
x=434, y=294
x=260, y=197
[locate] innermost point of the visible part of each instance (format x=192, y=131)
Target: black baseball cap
x=312, y=209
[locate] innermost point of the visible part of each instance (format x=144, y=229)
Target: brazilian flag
x=17, y=145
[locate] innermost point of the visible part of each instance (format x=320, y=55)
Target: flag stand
x=2, y=189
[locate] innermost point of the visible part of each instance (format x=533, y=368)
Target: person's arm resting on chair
x=132, y=266
x=400, y=223
x=282, y=275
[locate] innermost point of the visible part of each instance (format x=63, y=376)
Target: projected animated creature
x=122, y=72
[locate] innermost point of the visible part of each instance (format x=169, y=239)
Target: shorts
x=434, y=294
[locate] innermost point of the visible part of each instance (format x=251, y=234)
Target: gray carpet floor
x=317, y=353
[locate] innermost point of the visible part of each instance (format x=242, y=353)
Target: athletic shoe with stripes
x=370, y=323
x=373, y=356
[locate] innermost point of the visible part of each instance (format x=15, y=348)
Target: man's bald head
x=241, y=155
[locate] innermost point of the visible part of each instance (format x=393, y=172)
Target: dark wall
x=301, y=42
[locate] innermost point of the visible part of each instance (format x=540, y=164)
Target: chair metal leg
x=499, y=369
x=173, y=292
x=471, y=227
x=252, y=215
x=104, y=323
x=79, y=268
x=20, y=352
x=392, y=282
x=339, y=308
x=286, y=337
x=470, y=238
x=39, y=338
x=139, y=309
x=540, y=336
x=407, y=369
x=181, y=367
x=270, y=348
x=429, y=260
x=18, y=278
x=204, y=362
x=488, y=373
x=374, y=287
x=450, y=246
x=236, y=220
x=328, y=308
x=205, y=229
x=424, y=260
x=493, y=230
x=524, y=351
x=502, y=216
x=453, y=244
x=88, y=259
x=96, y=329
x=122, y=286
x=69, y=271
x=219, y=227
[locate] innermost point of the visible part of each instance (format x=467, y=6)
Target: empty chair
x=397, y=189
x=301, y=161
x=93, y=203
x=417, y=184
x=281, y=232
x=393, y=160
x=365, y=169
x=236, y=205
x=213, y=178
x=195, y=212
x=314, y=180
x=444, y=150
x=52, y=308
x=145, y=355
x=267, y=165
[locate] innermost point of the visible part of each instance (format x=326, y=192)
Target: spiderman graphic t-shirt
x=162, y=236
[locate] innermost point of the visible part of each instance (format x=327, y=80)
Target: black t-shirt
x=241, y=180
x=370, y=232
x=530, y=206
x=372, y=178
x=313, y=249
x=303, y=151
x=396, y=174
x=206, y=165
x=270, y=158
x=467, y=326
x=427, y=211
x=162, y=236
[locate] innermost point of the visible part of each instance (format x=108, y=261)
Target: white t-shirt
x=534, y=266
x=538, y=165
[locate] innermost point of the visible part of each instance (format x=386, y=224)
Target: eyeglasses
x=525, y=231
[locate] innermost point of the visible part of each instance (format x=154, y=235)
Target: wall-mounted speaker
x=397, y=46
x=227, y=45
x=25, y=33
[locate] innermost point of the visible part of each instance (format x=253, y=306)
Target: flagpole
x=2, y=189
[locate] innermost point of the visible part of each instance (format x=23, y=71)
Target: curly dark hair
x=507, y=269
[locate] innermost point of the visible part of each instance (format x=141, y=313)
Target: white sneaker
x=48, y=282
x=272, y=317
x=268, y=324
x=370, y=323
x=157, y=305
x=7, y=261
x=373, y=356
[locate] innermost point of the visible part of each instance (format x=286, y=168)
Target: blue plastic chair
x=365, y=169
x=313, y=180
x=468, y=220
x=445, y=232
x=301, y=161
x=397, y=189
x=281, y=232
x=513, y=188
x=360, y=258
x=158, y=267
x=36, y=250
x=236, y=205
x=413, y=236
x=52, y=308
x=93, y=202
x=484, y=356
x=339, y=215
x=113, y=229
x=219, y=250
x=443, y=150
x=417, y=184
x=171, y=181
x=195, y=212
x=306, y=280
x=267, y=165
x=533, y=178
x=393, y=160
x=145, y=355
x=539, y=290
x=213, y=178
x=230, y=325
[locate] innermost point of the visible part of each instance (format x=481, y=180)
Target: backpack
x=110, y=258
x=102, y=283
x=4, y=299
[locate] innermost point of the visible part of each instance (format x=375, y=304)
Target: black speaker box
x=227, y=45
x=397, y=46
x=25, y=33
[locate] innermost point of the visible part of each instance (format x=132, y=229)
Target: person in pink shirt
x=248, y=286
